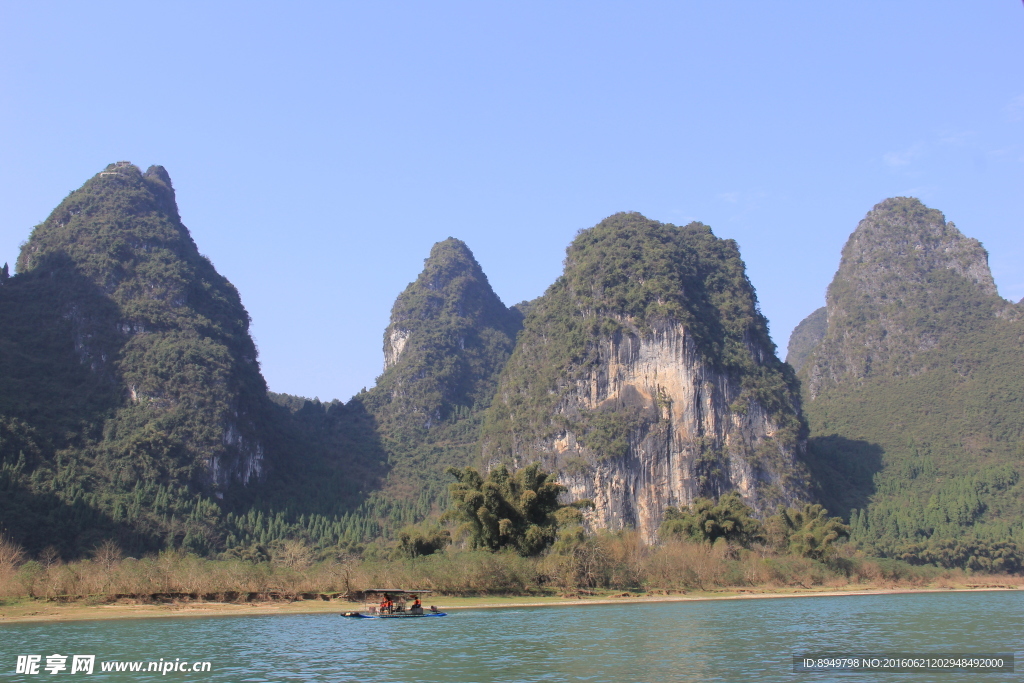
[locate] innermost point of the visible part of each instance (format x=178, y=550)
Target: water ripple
x=665, y=642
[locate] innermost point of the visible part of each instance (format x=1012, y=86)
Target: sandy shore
x=43, y=611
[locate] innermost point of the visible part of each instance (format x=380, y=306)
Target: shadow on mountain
x=843, y=471
x=37, y=519
x=58, y=337
x=322, y=458
x=58, y=386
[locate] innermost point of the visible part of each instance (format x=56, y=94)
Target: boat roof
x=416, y=591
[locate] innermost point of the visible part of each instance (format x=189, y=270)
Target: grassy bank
x=612, y=566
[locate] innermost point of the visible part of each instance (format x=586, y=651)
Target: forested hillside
x=131, y=402
x=805, y=337
x=916, y=393
x=449, y=337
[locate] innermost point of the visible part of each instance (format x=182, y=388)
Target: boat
x=392, y=603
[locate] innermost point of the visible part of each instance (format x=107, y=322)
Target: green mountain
x=131, y=400
x=157, y=320
x=448, y=338
x=646, y=377
x=132, y=405
x=130, y=382
x=916, y=392
x=805, y=337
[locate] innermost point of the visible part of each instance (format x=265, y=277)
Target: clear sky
x=319, y=149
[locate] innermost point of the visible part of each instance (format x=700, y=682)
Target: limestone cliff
x=645, y=376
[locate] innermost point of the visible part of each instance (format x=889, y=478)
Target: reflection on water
x=734, y=640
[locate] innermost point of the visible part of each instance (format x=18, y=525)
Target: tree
x=808, y=531
x=519, y=511
x=706, y=521
x=108, y=554
x=11, y=556
x=414, y=541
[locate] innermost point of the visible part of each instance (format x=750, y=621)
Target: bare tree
x=108, y=555
x=11, y=556
x=49, y=557
x=294, y=554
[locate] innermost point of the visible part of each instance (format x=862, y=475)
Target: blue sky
x=320, y=149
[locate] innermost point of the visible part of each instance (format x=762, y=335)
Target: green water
x=734, y=640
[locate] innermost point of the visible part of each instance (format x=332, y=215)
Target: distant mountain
x=908, y=282
x=805, y=338
x=449, y=337
x=646, y=377
x=915, y=391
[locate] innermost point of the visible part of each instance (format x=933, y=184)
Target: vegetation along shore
x=609, y=568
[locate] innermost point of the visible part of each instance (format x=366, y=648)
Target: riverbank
x=39, y=610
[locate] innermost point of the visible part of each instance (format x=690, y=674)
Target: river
x=714, y=640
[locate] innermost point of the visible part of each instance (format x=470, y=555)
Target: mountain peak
x=451, y=293
x=908, y=281
x=805, y=336
x=148, y=309
x=450, y=259
x=112, y=215
x=902, y=238
x=448, y=339
x=447, y=329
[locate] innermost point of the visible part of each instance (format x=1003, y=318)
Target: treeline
x=507, y=534
x=608, y=561
x=64, y=514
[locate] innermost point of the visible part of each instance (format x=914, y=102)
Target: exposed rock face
x=686, y=442
x=394, y=344
x=646, y=377
x=805, y=337
x=883, y=305
x=153, y=316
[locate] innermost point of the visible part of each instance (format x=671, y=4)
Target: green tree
x=966, y=553
x=807, y=531
x=707, y=521
x=509, y=510
x=414, y=541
